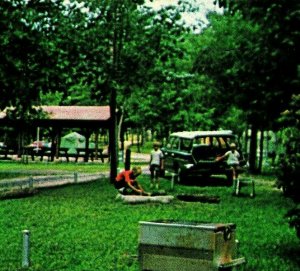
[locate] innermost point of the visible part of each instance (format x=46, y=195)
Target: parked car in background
x=194, y=153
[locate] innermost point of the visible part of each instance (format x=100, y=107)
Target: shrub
x=289, y=172
x=293, y=217
x=288, y=175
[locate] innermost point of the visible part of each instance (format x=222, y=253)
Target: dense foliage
x=277, y=43
x=289, y=166
x=289, y=170
x=251, y=54
x=240, y=72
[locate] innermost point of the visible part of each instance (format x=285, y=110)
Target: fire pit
x=187, y=246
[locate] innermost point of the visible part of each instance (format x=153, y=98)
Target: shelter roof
x=92, y=113
x=68, y=116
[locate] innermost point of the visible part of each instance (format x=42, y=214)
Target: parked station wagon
x=194, y=153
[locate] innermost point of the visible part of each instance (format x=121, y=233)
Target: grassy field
x=83, y=228
x=13, y=169
x=13, y=166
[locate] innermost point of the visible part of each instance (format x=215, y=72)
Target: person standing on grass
x=233, y=160
x=156, y=165
x=127, y=184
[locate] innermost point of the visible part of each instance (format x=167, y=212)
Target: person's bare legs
x=234, y=173
x=157, y=183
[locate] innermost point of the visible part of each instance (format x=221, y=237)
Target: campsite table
x=33, y=151
x=91, y=153
x=62, y=152
x=45, y=151
x=4, y=150
x=101, y=155
x=85, y=153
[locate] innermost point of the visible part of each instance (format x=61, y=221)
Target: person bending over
x=126, y=182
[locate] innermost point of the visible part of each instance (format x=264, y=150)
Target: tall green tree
x=251, y=61
x=148, y=71
x=277, y=45
x=22, y=55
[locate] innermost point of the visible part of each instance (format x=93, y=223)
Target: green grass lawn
x=13, y=166
x=13, y=169
x=82, y=227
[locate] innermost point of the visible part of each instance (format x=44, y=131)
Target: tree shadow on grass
x=202, y=181
x=290, y=251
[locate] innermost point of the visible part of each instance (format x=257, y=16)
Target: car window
x=215, y=142
x=201, y=141
x=171, y=143
x=175, y=143
x=186, y=144
x=224, y=142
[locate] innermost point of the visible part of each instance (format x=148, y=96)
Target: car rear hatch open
x=203, y=154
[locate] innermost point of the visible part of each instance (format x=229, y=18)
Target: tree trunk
x=143, y=133
x=138, y=140
x=87, y=133
x=246, y=153
x=112, y=137
x=261, y=151
x=253, y=148
x=120, y=129
x=128, y=159
x=116, y=54
x=20, y=142
x=96, y=143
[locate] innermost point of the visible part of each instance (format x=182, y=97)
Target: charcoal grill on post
x=187, y=246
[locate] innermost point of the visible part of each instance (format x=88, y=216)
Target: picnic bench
x=90, y=154
x=87, y=154
x=47, y=151
x=5, y=151
x=33, y=151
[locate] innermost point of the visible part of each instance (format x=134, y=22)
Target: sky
x=158, y=3
x=189, y=18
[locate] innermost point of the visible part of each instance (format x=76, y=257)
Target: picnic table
x=87, y=154
x=33, y=151
x=5, y=150
x=90, y=154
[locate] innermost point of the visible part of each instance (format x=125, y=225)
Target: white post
x=26, y=237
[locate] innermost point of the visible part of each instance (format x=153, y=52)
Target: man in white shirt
x=156, y=165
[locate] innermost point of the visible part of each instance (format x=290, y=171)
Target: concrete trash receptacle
x=187, y=246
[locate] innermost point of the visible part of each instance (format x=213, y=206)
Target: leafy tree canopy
x=251, y=53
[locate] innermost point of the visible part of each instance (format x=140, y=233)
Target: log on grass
x=133, y=199
x=18, y=193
